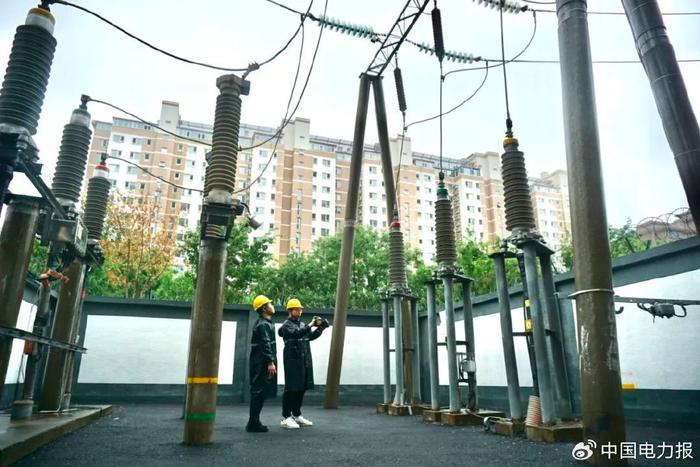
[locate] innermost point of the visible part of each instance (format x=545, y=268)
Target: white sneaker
x=289, y=423
x=301, y=421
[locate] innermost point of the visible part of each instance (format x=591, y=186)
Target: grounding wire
x=252, y=67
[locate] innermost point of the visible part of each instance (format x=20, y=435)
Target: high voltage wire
x=251, y=67
x=145, y=170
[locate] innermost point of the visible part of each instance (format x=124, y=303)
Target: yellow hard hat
x=294, y=303
x=259, y=301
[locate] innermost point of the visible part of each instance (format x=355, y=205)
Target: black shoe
x=257, y=428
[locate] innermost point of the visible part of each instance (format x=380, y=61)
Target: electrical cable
x=252, y=67
x=539, y=3
x=500, y=62
x=296, y=107
x=509, y=122
x=153, y=175
x=474, y=93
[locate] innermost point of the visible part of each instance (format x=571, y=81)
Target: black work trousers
x=256, y=405
x=291, y=403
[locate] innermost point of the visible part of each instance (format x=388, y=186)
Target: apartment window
x=315, y=162
x=148, y=142
x=260, y=195
x=133, y=155
x=146, y=157
x=372, y=196
x=262, y=181
x=372, y=182
x=373, y=209
x=135, y=140
x=272, y=226
x=192, y=178
x=177, y=175
x=300, y=177
x=313, y=230
x=104, y=143
x=325, y=218
x=272, y=196
x=178, y=161
x=259, y=210
x=174, y=189
x=326, y=176
x=326, y=162
x=114, y=168
x=173, y=204
x=325, y=232
x=313, y=216
x=469, y=184
x=161, y=164
x=373, y=169
x=326, y=189
x=313, y=188
x=118, y=138
x=373, y=223
x=131, y=170
x=338, y=170
x=418, y=201
x=426, y=178
x=116, y=153
x=314, y=174
x=143, y=186
x=325, y=204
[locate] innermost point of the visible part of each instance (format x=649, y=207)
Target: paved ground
x=150, y=435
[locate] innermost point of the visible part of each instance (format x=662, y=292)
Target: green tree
x=244, y=281
x=37, y=263
x=473, y=258
x=175, y=285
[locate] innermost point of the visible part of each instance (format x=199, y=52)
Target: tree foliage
x=138, y=251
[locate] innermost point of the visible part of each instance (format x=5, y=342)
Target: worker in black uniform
x=298, y=366
x=263, y=362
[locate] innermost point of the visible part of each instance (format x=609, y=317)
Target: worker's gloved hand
x=315, y=321
x=271, y=370
x=324, y=323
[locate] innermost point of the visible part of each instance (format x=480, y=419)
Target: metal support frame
x=386, y=353
x=472, y=394
x=417, y=392
x=452, y=370
x=511, y=364
x=399, y=395
x=432, y=347
x=16, y=333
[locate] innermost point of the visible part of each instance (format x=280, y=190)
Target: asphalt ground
x=144, y=435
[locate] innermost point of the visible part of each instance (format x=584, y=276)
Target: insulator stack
x=516, y=191
x=207, y=177
x=397, y=259
x=96, y=202
x=27, y=74
x=400, y=92
x=72, y=157
x=445, y=244
x=437, y=33
x=222, y=167
x=509, y=6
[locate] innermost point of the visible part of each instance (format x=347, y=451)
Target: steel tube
x=417, y=396
x=67, y=308
x=601, y=391
x=555, y=341
x=473, y=393
x=399, y=396
x=385, y=351
x=455, y=402
x=16, y=241
x=335, y=358
x=511, y=363
x=672, y=102
x=538, y=333
x=432, y=348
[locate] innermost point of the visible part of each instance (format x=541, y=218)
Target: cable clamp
x=587, y=291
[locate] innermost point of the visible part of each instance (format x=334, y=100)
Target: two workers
x=298, y=365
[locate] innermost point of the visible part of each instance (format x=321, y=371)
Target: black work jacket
x=263, y=350
x=298, y=365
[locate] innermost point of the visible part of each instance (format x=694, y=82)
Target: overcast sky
x=641, y=178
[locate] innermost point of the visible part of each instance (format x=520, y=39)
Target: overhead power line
x=248, y=69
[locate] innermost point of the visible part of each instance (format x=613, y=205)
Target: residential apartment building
x=298, y=189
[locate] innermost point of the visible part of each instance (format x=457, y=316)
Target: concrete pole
x=16, y=241
x=680, y=124
x=516, y=410
x=384, y=147
x=399, y=396
x=208, y=304
x=555, y=341
x=205, y=341
x=473, y=395
x=601, y=391
x=538, y=334
x=72, y=356
x=385, y=351
x=455, y=402
x=67, y=308
x=335, y=358
x=432, y=348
